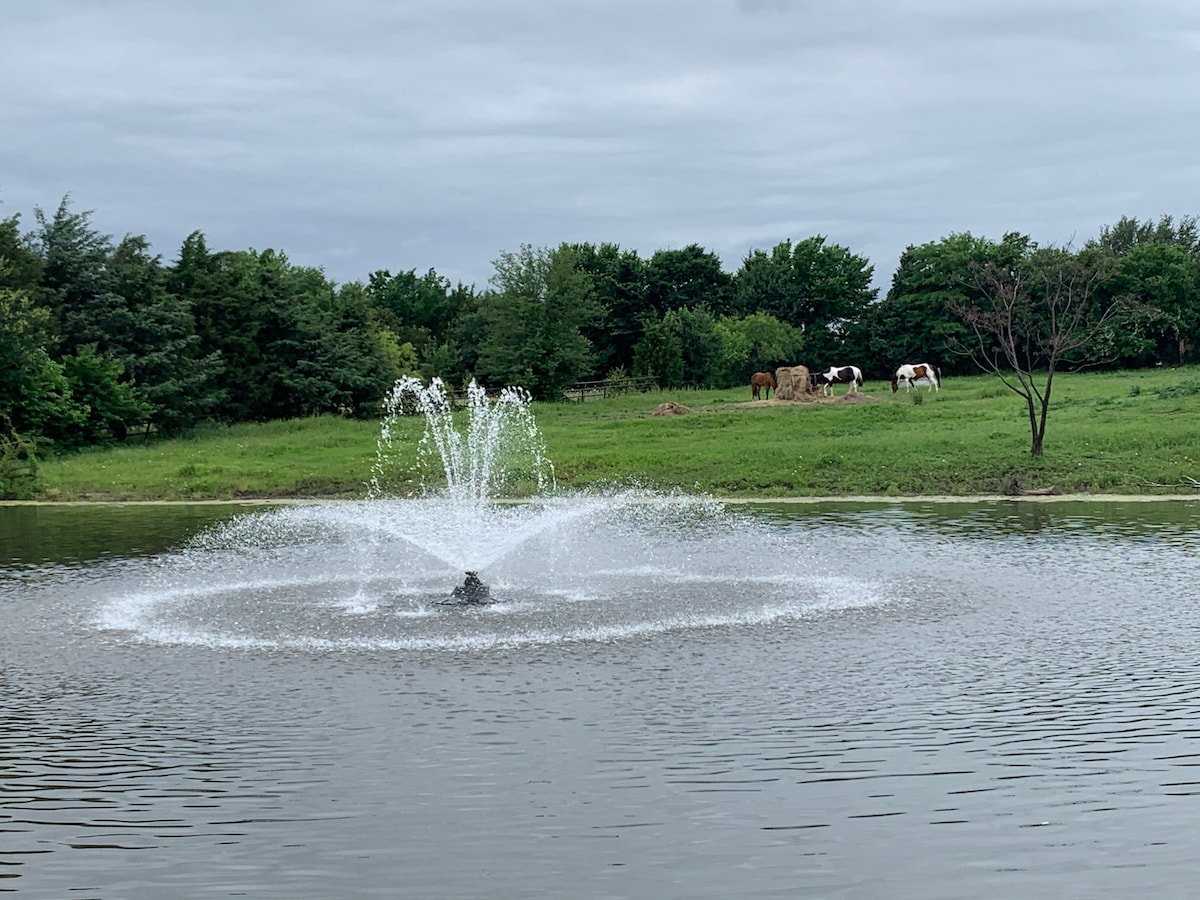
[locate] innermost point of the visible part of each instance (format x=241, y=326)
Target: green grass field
x=1125, y=432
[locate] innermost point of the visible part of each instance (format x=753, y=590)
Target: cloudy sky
x=367, y=134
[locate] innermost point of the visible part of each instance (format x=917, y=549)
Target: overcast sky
x=368, y=134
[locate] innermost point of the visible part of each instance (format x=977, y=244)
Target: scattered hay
x=815, y=399
x=856, y=397
x=671, y=409
x=775, y=401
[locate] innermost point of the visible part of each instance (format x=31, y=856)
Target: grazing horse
x=851, y=375
x=760, y=380
x=910, y=373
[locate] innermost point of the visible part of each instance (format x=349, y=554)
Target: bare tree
x=1039, y=316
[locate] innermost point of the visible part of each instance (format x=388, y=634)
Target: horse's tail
x=937, y=374
x=858, y=379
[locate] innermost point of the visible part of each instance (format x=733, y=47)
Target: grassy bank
x=1108, y=433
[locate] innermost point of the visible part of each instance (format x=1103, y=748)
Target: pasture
x=1109, y=432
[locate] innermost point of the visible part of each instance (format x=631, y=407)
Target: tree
x=20, y=266
x=822, y=288
x=699, y=344
x=686, y=279
x=1129, y=232
x=835, y=288
x=754, y=343
x=429, y=316
x=242, y=306
x=766, y=283
x=418, y=309
x=534, y=321
x=109, y=402
x=659, y=354
x=619, y=284
x=439, y=361
x=76, y=283
x=1159, y=264
x=283, y=336
x=688, y=347
x=914, y=322
x=1033, y=318
x=35, y=396
x=160, y=350
x=346, y=362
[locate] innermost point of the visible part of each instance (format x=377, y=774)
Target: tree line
x=101, y=338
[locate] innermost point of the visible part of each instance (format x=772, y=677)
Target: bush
x=18, y=467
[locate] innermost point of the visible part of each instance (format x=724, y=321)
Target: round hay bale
x=792, y=383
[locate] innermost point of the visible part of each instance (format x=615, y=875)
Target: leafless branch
x=1184, y=481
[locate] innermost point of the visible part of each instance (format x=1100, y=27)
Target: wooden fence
x=583, y=390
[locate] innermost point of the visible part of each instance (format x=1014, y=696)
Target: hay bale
x=670, y=409
x=792, y=383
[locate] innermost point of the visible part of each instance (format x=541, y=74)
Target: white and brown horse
x=910, y=373
x=851, y=375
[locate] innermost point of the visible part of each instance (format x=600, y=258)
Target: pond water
x=906, y=700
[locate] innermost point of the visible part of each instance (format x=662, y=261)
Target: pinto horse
x=760, y=380
x=851, y=375
x=910, y=373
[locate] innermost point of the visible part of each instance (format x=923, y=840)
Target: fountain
x=542, y=566
x=500, y=446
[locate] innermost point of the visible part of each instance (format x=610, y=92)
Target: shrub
x=18, y=467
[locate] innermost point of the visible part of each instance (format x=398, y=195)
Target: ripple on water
x=870, y=714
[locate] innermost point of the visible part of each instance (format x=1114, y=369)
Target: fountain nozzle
x=472, y=591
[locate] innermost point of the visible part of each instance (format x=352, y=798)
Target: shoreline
x=732, y=501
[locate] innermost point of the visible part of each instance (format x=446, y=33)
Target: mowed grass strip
x=1121, y=432
x=314, y=457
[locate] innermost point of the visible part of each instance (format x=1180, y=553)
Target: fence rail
x=583, y=390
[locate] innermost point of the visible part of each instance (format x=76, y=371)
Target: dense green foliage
x=102, y=340
x=1115, y=432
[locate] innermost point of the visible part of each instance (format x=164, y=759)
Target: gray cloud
x=373, y=134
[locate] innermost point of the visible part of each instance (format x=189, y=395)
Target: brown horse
x=760, y=380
